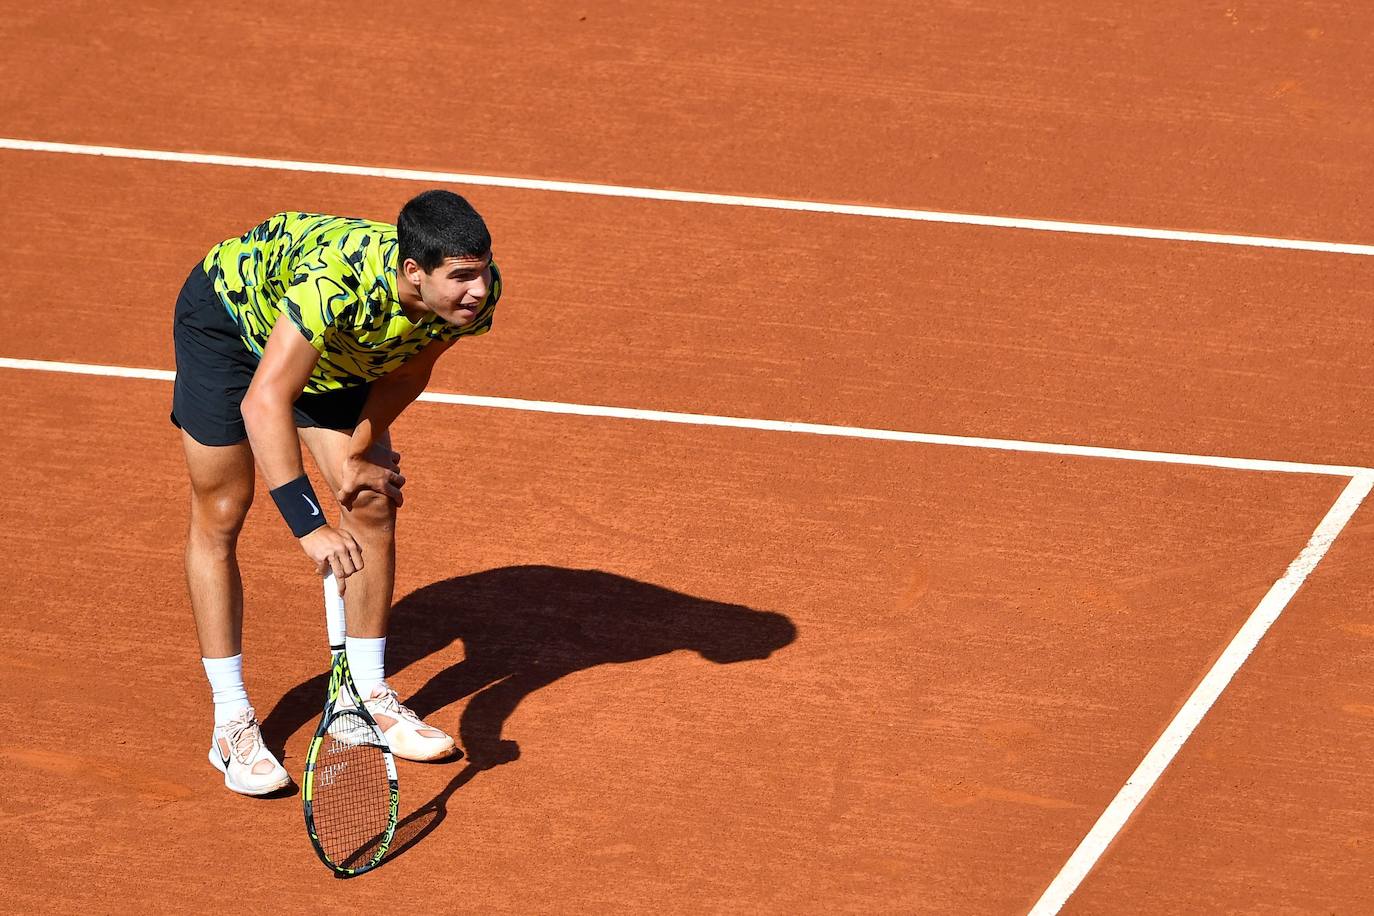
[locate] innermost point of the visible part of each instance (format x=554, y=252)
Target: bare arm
x=369, y=466
x=393, y=393
x=281, y=376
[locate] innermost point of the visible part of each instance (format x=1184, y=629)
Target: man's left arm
x=369, y=458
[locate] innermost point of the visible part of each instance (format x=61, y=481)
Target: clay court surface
x=706, y=669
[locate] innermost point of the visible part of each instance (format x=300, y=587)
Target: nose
x=478, y=289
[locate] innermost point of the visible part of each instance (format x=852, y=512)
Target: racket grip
x=334, y=612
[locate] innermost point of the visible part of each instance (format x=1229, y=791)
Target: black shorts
x=215, y=367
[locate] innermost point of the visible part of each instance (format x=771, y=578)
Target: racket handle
x=334, y=612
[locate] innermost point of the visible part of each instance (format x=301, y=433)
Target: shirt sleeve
x=323, y=293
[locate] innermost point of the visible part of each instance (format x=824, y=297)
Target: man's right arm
x=281, y=376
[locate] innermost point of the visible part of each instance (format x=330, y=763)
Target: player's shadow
x=523, y=628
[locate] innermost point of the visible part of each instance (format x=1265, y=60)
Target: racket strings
x=352, y=804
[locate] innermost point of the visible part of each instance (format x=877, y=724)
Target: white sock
x=226, y=686
x=366, y=662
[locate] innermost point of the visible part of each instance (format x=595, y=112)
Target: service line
x=781, y=426
x=693, y=197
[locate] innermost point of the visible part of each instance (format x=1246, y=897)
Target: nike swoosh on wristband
x=314, y=509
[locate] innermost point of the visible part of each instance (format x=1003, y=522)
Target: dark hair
x=436, y=225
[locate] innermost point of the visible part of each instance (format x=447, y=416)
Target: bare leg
x=372, y=521
x=221, y=492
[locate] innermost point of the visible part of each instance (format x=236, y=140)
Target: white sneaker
x=408, y=735
x=237, y=751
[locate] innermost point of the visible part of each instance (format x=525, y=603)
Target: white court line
x=1201, y=700
x=724, y=200
x=782, y=426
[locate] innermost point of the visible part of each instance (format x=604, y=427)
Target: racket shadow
x=424, y=820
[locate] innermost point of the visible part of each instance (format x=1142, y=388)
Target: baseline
x=725, y=200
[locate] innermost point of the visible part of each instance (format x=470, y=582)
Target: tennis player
x=315, y=329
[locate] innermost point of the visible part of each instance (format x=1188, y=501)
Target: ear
x=412, y=270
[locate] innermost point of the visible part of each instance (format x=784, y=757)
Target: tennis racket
x=350, y=792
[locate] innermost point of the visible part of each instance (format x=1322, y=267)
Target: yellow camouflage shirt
x=335, y=278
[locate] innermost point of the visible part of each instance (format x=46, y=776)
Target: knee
x=219, y=517
x=373, y=515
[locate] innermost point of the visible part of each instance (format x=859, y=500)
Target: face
x=455, y=289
